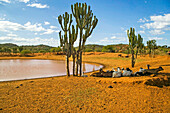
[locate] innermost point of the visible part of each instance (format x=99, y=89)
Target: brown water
x=28, y=69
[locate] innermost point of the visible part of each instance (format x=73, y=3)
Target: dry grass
x=90, y=94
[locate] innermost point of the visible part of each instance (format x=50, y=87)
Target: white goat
x=117, y=73
x=141, y=70
x=127, y=72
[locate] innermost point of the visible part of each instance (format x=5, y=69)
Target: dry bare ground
x=91, y=94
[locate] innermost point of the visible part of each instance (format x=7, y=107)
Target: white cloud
x=25, y=1
x=12, y=35
x=7, y=1
x=106, y=39
x=6, y=26
x=53, y=27
x=33, y=27
x=118, y=38
x=38, y=5
x=46, y=23
x=155, y=38
x=156, y=32
x=49, y=31
x=143, y=20
x=113, y=37
x=141, y=32
x=157, y=24
x=26, y=41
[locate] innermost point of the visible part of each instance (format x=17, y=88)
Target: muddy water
x=27, y=69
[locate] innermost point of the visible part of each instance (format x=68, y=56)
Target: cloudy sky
x=32, y=22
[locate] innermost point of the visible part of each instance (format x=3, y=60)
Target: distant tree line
x=13, y=50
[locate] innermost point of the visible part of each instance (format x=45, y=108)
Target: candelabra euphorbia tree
x=151, y=44
x=70, y=36
x=139, y=44
x=86, y=23
x=132, y=43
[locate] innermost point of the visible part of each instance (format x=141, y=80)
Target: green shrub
x=25, y=52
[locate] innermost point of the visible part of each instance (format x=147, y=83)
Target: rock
x=17, y=87
x=110, y=86
x=21, y=84
x=1, y=109
x=114, y=82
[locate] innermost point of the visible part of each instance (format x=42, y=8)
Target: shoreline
x=34, y=58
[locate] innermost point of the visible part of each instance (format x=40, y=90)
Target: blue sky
x=32, y=22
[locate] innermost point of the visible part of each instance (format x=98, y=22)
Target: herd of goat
x=121, y=72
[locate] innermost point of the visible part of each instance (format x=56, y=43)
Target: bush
x=88, y=50
x=25, y=52
x=42, y=51
x=108, y=48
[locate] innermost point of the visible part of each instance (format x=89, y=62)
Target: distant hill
x=11, y=45
x=8, y=45
x=33, y=48
x=99, y=48
x=88, y=47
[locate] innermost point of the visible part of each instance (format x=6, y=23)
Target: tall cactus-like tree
x=138, y=44
x=73, y=38
x=132, y=43
x=141, y=49
x=151, y=44
x=85, y=21
x=67, y=40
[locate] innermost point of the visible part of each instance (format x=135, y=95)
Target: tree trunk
x=67, y=65
x=80, y=63
x=80, y=50
x=133, y=59
x=149, y=52
x=77, y=63
x=136, y=53
x=153, y=53
x=73, y=64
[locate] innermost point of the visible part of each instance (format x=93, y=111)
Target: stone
x=114, y=82
x=110, y=86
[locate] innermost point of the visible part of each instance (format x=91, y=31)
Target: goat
x=127, y=72
x=126, y=56
x=119, y=55
x=140, y=72
x=153, y=71
x=148, y=66
x=117, y=73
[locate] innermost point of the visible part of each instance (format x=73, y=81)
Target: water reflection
x=26, y=69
